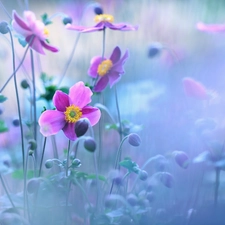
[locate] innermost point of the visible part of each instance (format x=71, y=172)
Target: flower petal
x=49, y=47
x=119, y=65
x=101, y=84
x=61, y=101
x=120, y=26
x=51, y=122
x=211, y=27
x=20, y=21
x=69, y=131
x=92, y=114
x=114, y=77
x=83, y=29
x=80, y=95
x=115, y=55
x=35, y=44
x=93, y=70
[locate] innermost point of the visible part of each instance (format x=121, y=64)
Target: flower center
x=46, y=31
x=72, y=114
x=104, y=18
x=104, y=67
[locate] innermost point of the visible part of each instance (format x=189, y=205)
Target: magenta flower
x=107, y=70
x=210, y=27
x=33, y=30
x=103, y=21
x=69, y=109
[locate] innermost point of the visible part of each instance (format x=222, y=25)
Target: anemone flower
x=103, y=21
x=33, y=30
x=107, y=70
x=215, y=28
x=69, y=109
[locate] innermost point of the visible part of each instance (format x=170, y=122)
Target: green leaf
x=116, y=213
x=22, y=41
x=3, y=127
x=93, y=176
x=2, y=98
x=111, y=126
x=130, y=165
x=45, y=19
x=18, y=174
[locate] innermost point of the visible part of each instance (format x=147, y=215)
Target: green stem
x=217, y=183
x=42, y=156
x=68, y=157
x=118, y=113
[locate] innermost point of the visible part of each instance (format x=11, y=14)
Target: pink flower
x=107, y=70
x=103, y=21
x=210, y=27
x=69, y=109
x=33, y=31
x=194, y=89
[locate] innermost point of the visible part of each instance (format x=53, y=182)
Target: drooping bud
x=67, y=20
x=33, y=144
x=181, y=159
x=76, y=163
x=154, y=50
x=132, y=199
x=33, y=185
x=81, y=127
x=4, y=27
x=134, y=139
x=98, y=9
x=143, y=175
x=49, y=163
x=90, y=144
x=24, y=84
x=166, y=179
x=16, y=122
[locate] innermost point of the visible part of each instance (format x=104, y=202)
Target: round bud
x=154, y=50
x=33, y=144
x=4, y=27
x=24, y=84
x=109, y=201
x=76, y=163
x=181, y=159
x=143, y=175
x=132, y=199
x=134, y=140
x=48, y=163
x=33, y=185
x=16, y=122
x=98, y=10
x=81, y=127
x=166, y=179
x=150, y=196
x=90, y=144
x=67, y=20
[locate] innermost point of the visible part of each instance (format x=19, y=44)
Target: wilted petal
x=211, y=27
x=51, y=122
x=115, y=55
x=49, y=47
x=61, y=100
x=69, y=131
x=101, y=84
x=92, y=114
x=93, y=70
x=80, y=95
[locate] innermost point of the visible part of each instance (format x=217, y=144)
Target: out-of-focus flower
x=181, y=159
x=214, y=28
x=103, y=21
x=107, y=70
x=33, y=30
x=69, y=109
x=195, y=89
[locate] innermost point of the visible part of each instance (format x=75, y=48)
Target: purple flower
x=103, y=21
x=33, y=30
x=69, y=109
x=107, y=70
x=210, y=27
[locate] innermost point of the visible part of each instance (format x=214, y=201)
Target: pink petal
x=121, y=26
x=69, y=131
x=49, y=47
x=115, y=55
x=20, y=21
x=118, y=67
x=211, y=27
x=80, y=95
x=114, y=77
x=101, y=84
x=51, y=122
x=61, y=101
x=92, y=71
x=35, y=44
x=92, y=114
x=85, y=29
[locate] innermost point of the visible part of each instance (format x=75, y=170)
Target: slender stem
x=68, y=157
x=55, y=151
x=103, y=43
x=118, y=113
x=42, y=156
x=5, y=10
x=17, y=97
x=6, y=191
x=67, y=200
x=34, y=95
x=217, y=183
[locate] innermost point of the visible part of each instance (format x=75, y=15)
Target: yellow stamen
x=46, y=31
x=72, y=114
x=104, y=17
x=104, y=67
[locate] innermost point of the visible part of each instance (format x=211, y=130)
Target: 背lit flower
x=69, y=109
x=33, y=30
x=103, y=21
x=210, y=27
x=107, y=70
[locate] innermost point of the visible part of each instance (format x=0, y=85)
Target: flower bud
x=33, y=144
x=132, y=199
x=24, y=84
x=134, y=140
x=98, y=10
x=166, y=179
x=81, y=127
x=16, y=122
x=67, y=20
x=4, y=27
x=33, y=185
x=76, y=163
x=150, y=196
x=181, y=159
x=154, y=50
x=49, y=163
x=143, y=175
x=90, y=144
x=110, y=201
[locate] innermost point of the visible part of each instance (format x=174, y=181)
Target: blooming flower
x=69, y=109
x=210, y=27
x=33, y=30
x=107, y=70
x=103, y=21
